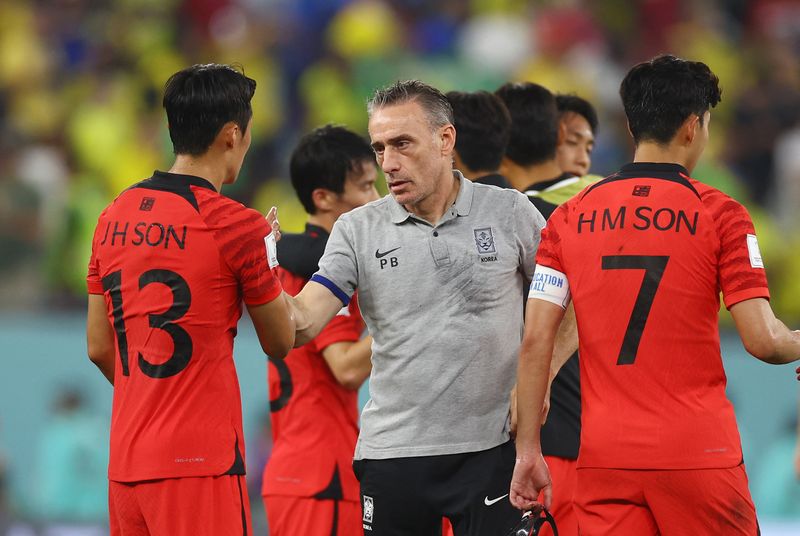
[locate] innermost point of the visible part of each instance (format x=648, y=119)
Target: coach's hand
x=531, y=477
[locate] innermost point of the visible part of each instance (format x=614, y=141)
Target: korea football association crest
x=484, y=241
x=369, y=508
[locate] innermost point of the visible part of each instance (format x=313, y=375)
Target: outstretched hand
x=531, y=477
x=275, y=225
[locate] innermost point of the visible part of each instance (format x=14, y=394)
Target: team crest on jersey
x=484, y=240
x=369, y=508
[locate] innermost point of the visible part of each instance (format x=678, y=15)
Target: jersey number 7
x=653, y=266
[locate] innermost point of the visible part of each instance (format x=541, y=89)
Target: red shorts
x=563, y=473
x=652, y=502
x=198, y=506
x=293, y=516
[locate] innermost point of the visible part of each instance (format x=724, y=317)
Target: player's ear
x=323, y=199
x=229, y=134
x=562, y=132
x=690, y=128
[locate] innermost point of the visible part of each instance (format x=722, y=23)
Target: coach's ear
x=447, y=135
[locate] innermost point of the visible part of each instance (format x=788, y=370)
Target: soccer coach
x=439, y=265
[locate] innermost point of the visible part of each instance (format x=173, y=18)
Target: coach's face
x=415, y=156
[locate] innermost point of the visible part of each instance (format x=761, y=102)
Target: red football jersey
x=646, y=253
x=175, y=259
x=314, y=418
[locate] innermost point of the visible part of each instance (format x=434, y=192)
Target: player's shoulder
x=717, y=202
x=216, y=208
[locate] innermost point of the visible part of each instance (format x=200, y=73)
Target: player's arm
x=763, y=335
x=566, y=342
x=275, y=326
x=530, y=472
x=100, y=337
x=313, y=308
x=350, y=361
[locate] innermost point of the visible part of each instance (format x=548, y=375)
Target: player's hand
x=275, y=225
x=531, y=477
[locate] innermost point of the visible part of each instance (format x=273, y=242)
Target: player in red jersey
x=643, y=255
x=172, y=260
x=309, y=486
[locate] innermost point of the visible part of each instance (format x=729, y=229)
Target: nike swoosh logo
x=379, y=255
x=488, y=502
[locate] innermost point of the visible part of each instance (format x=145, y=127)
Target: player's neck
x=206, y=168
x=664, y=154
x=324, y=220
x=472, y=174
x=521, y=177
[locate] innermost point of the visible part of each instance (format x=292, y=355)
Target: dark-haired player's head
x=483, y=126
x=534, y=123
x=204, y=101
x=667, y=95
x=333, y=171
x=578, y=120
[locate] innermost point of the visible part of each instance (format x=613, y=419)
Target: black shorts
x=410, y=496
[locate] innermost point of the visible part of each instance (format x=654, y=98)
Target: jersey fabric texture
x=442, y=303
x=646, y=252
x=560, y=435
x=175, y=259
x=314, y=418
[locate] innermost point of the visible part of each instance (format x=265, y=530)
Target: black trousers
x=410, y=496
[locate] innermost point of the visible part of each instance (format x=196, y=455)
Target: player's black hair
x=200, y=99
x=660, y=94
x=575, y=104
x=322, y=159
x=483, y=126
x=534, y=122
x=433, y=101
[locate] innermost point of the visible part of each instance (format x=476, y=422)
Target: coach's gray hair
x=433, y=101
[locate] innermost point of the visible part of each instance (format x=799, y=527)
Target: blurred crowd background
x=81, y=116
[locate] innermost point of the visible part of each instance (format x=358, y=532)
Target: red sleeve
x=346, y=326
x=741, y=272
x=94, y=283
x=241, y=235
x=549, y=252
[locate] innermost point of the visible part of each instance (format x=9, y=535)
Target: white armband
x=272, y=250
x=550, y=285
